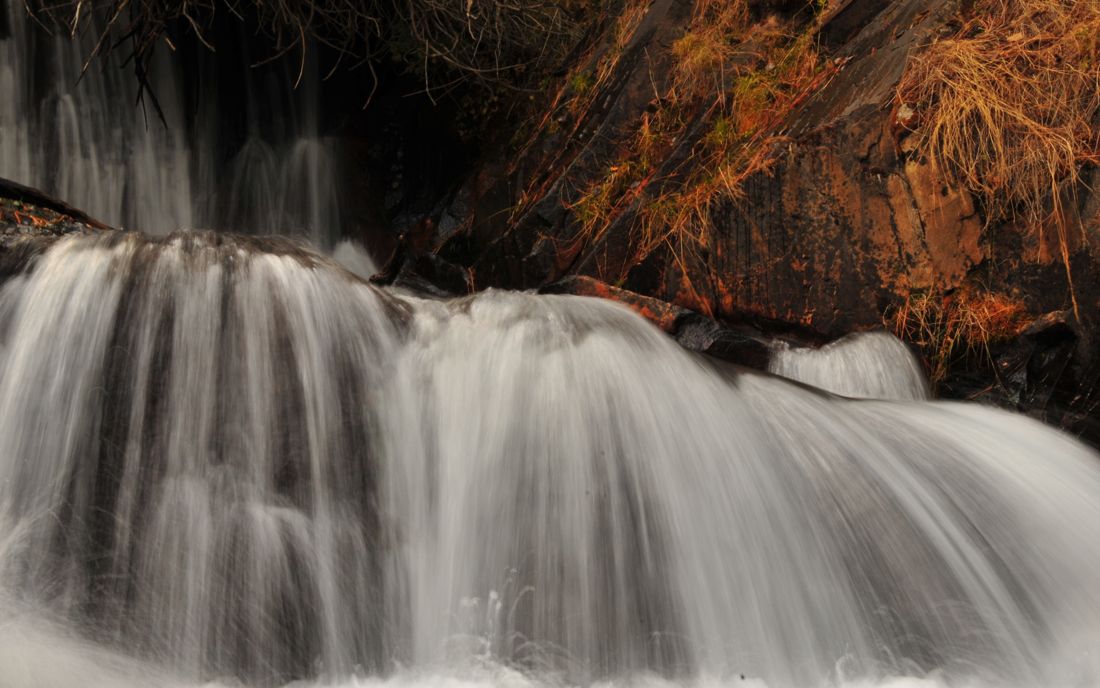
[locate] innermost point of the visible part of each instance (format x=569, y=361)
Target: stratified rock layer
x=844, y=227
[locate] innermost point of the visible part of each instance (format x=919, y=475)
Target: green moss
x=581, y=82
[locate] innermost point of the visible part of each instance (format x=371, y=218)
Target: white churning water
x=220, y=463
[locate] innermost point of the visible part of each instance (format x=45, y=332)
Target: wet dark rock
x=737, y=345
x=50, y=211
x=431, y=274
x=31, y=221
x=1051, y=372
x=742, y=345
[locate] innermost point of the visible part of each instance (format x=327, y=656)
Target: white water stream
x=84, y=141
x=871, y=365
x=232, y=465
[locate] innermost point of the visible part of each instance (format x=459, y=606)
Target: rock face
x=846, y=224
x=30, y=221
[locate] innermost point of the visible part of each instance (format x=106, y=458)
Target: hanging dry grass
x=707, y=52
x=965, y=323
x=741, y=80
x=1006, y=108
x=584, y=85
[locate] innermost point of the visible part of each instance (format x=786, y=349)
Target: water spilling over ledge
x=230, y=459
x=873, y=365
x=238, y=157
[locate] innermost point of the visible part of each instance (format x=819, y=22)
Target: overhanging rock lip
x=15, y=191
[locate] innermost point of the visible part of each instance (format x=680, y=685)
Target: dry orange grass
x=742, y=140
x=965, y=323
x=1006, y=107
x=743, y=81
x=580, y=90
x=621, y=34
x=705, y=54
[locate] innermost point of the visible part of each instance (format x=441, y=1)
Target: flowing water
x=231, y=460
x=84, y=141
x=872, y=365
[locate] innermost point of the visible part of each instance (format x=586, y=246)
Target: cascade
x=232, y=460
x=874, y=365
x=83, y=140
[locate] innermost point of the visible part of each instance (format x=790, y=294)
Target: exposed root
x=493, y=41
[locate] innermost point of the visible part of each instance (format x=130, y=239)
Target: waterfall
x=85, y=141
x=354, y=258
x=233, y=460
x=873, y=365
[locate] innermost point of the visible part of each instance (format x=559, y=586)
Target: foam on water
x=33, y=656
x=228, y=460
